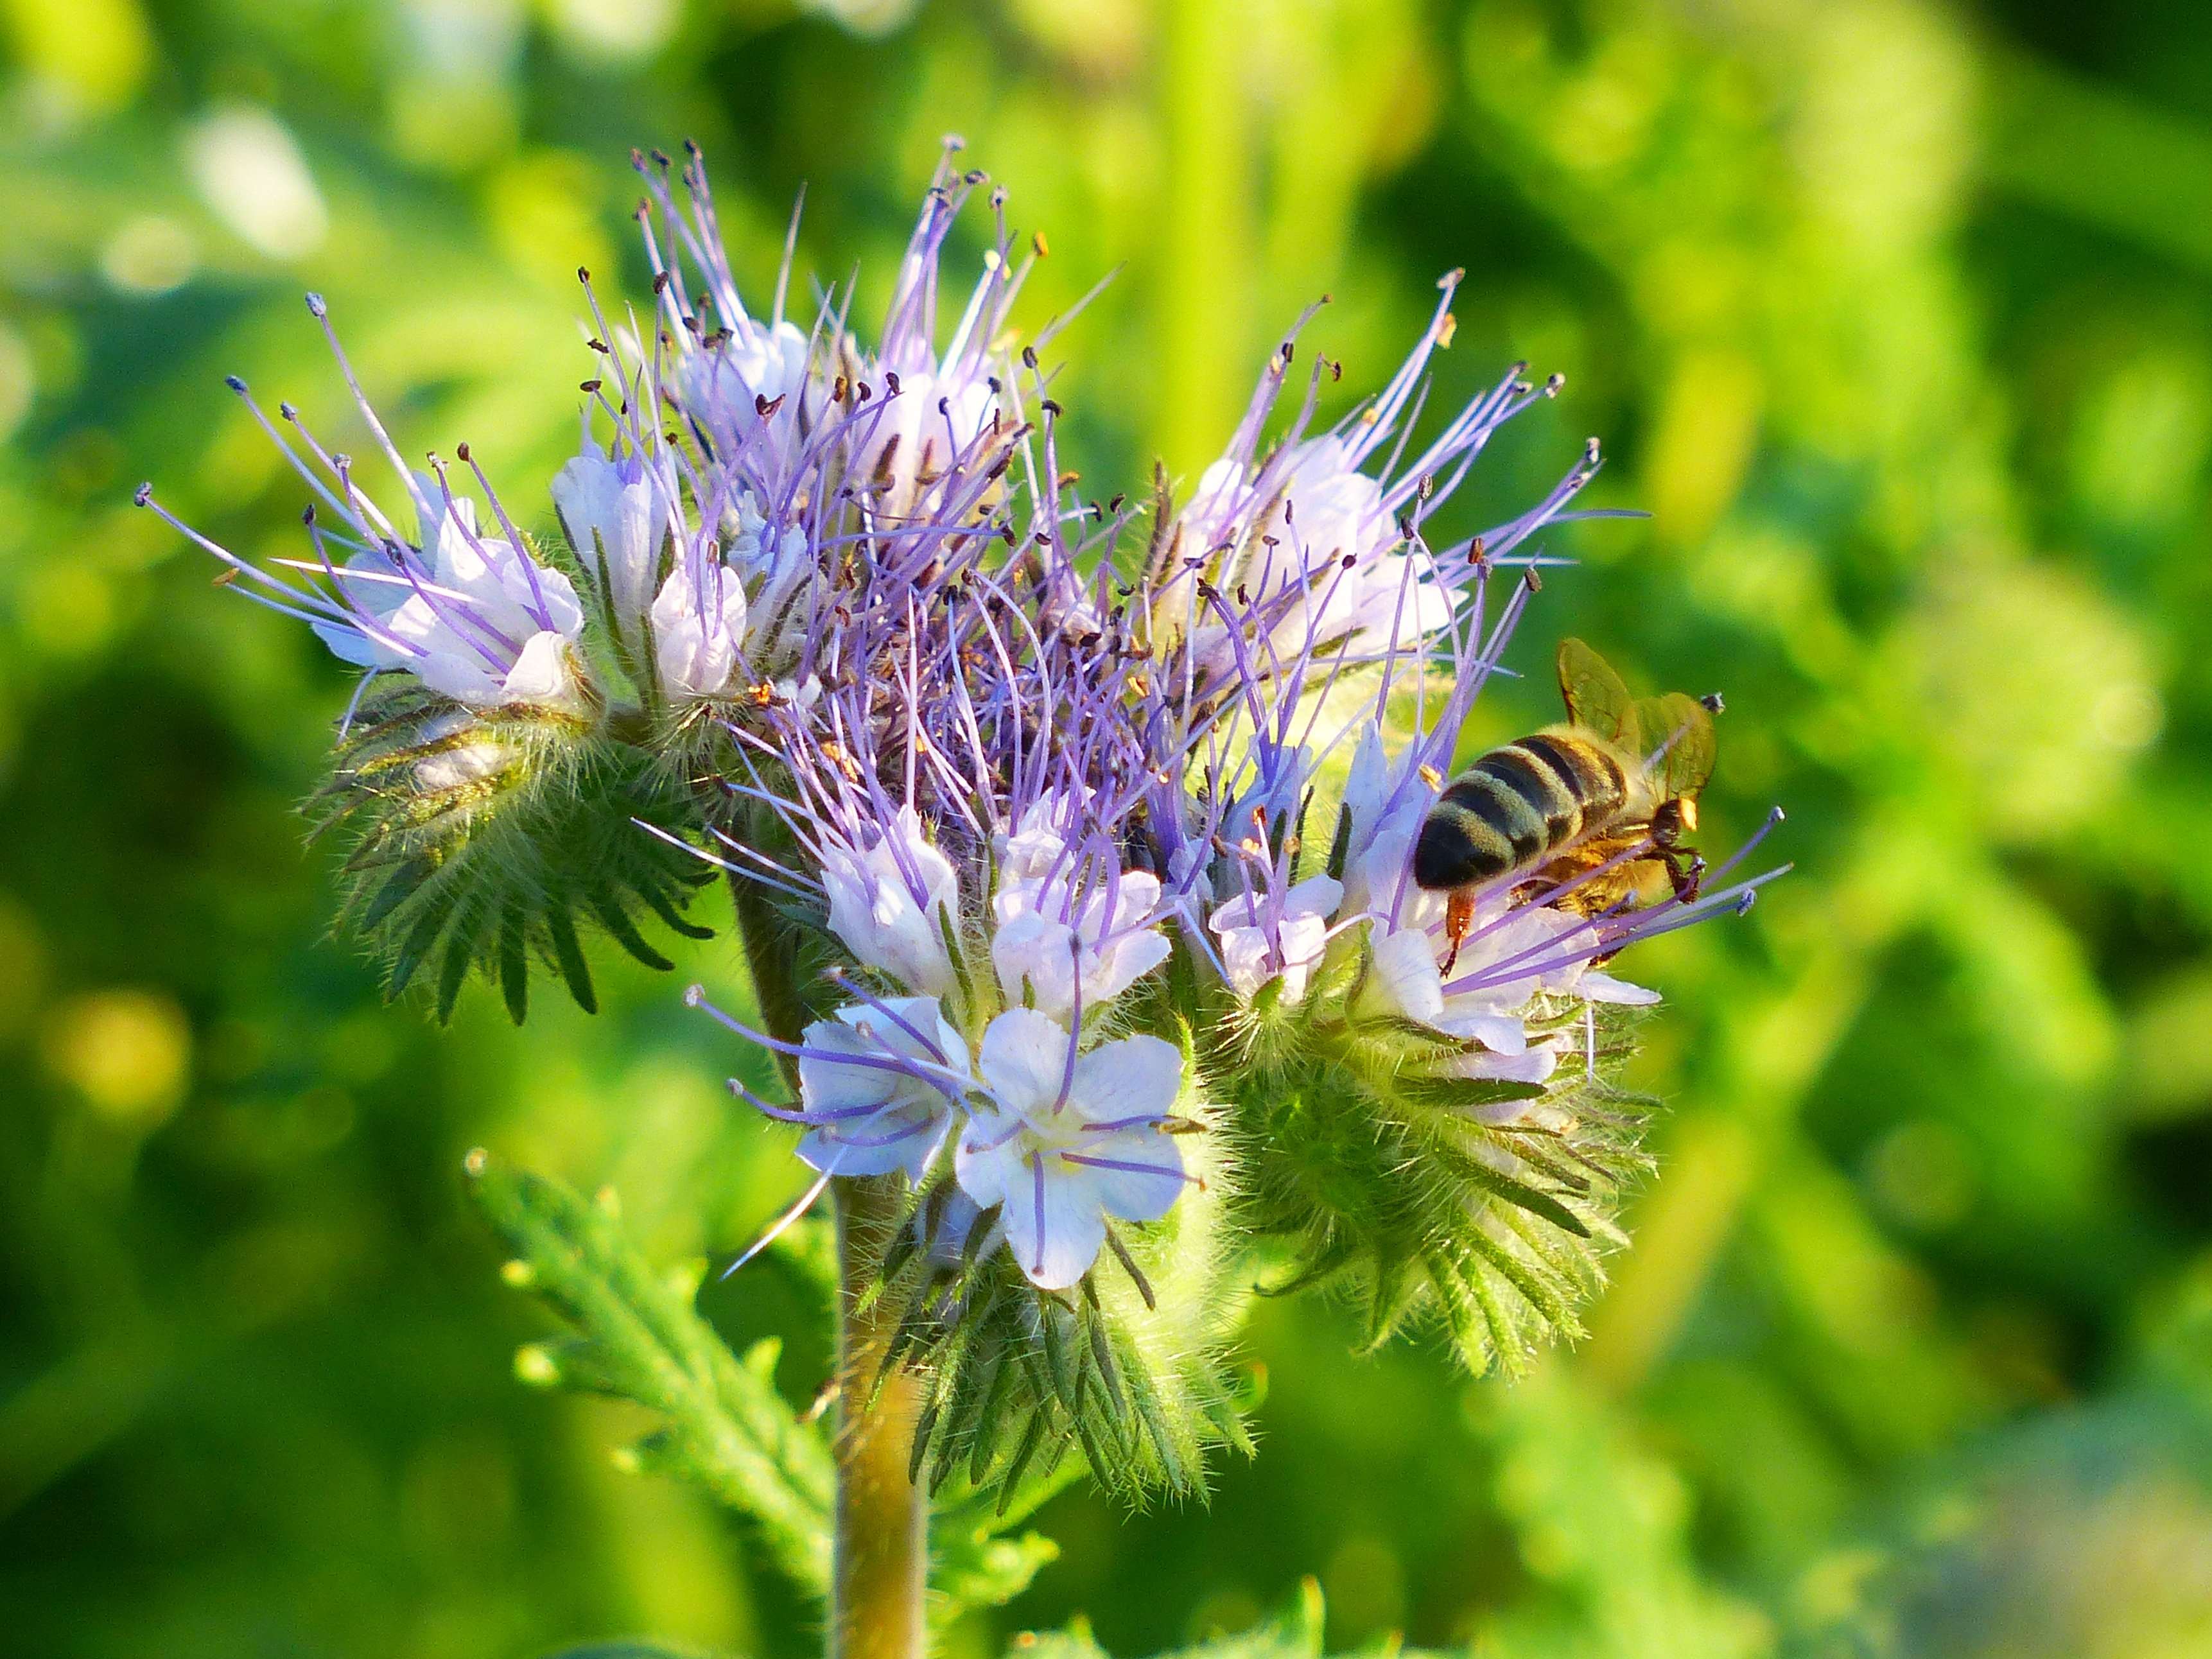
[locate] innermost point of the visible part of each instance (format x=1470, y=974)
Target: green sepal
x=477, y=839
x=1477, y=1204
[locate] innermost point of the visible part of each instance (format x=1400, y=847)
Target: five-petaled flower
x=1065, y=1141
x=877, y=1082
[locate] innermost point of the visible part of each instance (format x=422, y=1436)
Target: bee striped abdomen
x=1515, y=806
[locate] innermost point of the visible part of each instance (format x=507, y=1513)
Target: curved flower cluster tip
x=1100, y=816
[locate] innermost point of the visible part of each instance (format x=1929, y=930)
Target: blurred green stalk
x=882, y=1544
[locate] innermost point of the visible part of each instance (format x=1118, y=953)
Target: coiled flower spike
x=1099, y=818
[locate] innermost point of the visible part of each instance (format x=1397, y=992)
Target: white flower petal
x=1034, y=959
x=543, y=675
x=1054, y=1224
x=1502, y=1033
x=1604, y=988
x=1023, y=1059
x=1131, y=1076
x=1137, y=1176
x=1403, y=978
x=1530, y=1066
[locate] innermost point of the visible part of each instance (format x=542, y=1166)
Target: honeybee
x=1592, y=812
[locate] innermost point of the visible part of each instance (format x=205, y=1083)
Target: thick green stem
x=882, y=1547
x=881, y=1566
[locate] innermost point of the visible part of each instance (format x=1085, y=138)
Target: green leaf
x=971, y=1568
x=1293, y=1633
x=725, y=1429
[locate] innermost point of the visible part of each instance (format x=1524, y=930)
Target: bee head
x=1673, y=819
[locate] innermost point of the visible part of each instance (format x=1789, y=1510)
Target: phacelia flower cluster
x=1099, y=815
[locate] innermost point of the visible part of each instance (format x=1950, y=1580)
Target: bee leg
x=1686, y=870
x=1459, y=917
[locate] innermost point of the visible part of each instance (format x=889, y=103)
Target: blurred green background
x=1898, y=318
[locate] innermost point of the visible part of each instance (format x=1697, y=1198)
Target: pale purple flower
x=876, y=1085
x=617, y=519
x=1385, y=803
x=1263, y=940
x=879, y=1083
x=698, y=629
x=891, y=900
x=1063, y=1141
x=488, y=628
x=465, y=610
x=1063, y=913
x=1015, y=784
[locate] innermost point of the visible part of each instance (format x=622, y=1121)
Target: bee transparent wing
x=1680, y=729
x=1595, y=697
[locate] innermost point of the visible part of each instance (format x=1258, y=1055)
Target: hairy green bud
x=489, y=842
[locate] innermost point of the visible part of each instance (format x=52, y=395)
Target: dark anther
x=461, y=449
x=234, y=382
x=142, y=495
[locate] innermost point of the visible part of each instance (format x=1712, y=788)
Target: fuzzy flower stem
x=881, y=1542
